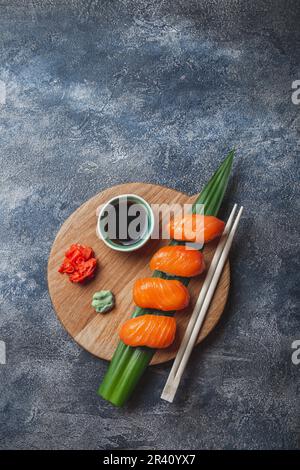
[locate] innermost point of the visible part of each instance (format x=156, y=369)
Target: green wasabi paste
x=103, y=301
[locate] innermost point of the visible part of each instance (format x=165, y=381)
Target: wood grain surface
x=117, y=271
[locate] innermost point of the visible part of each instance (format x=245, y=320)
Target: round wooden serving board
x=117, y=271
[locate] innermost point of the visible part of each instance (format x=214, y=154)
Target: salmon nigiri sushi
x=160, y=294
x=178, y=260
x=195, y=227
x=154, y=331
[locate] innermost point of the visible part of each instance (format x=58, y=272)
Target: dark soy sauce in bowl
x=126, y=221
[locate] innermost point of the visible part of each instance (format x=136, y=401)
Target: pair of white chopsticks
x=201, y=307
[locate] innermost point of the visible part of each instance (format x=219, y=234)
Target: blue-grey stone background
x=104, y=92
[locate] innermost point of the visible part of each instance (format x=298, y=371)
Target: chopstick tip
x=169, y=392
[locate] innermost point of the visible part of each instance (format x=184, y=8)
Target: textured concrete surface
x=103, y=92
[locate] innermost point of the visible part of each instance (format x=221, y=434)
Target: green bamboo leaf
x=128, y=364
